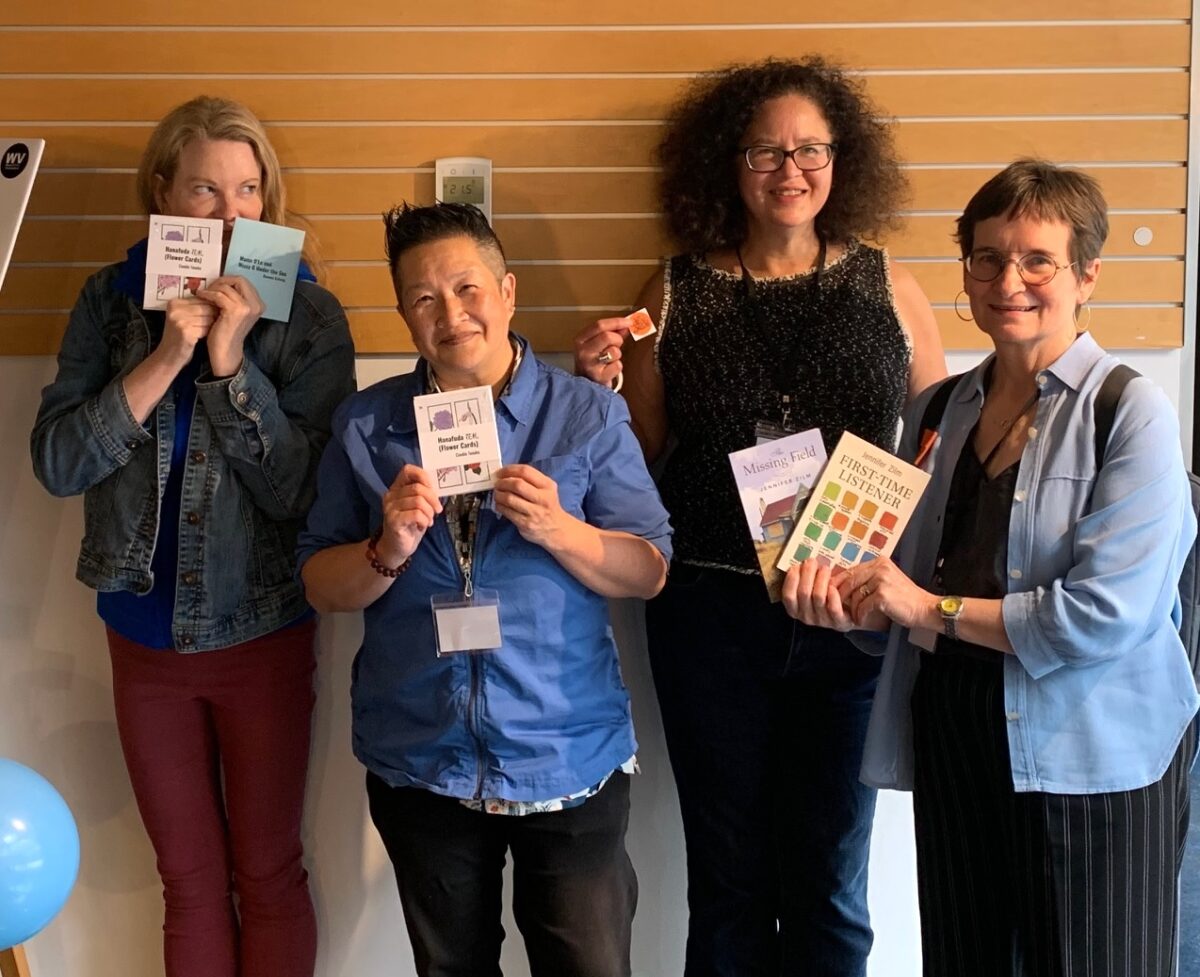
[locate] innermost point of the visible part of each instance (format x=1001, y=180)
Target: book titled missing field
x=858, y=508
x=268, y=256
x=459, y=442
x=773, y=480
x=183, y=255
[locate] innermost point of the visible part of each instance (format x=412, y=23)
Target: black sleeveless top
x=973, y=560
x=837, y=349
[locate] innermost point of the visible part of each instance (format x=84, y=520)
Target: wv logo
x=14, y=160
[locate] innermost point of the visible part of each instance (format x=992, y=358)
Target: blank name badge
x=466, y=624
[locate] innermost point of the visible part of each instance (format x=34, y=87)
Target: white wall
x=56, y=716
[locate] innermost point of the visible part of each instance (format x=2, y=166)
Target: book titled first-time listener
x=858, y=508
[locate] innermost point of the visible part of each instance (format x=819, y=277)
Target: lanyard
x=783, y=368
x=462, y=511
x=462, y=519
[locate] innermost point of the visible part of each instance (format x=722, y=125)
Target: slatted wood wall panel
x=567, y=98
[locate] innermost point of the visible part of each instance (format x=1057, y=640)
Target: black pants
x=574, y=889
x=765, y=726
x=1034, y=884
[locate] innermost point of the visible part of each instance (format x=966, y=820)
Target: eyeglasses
x=1035, y=268
x=768, y=159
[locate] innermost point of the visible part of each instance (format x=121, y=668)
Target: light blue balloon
x=39, y=852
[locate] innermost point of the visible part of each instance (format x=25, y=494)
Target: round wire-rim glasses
x=768, y=159
x=1034, y=267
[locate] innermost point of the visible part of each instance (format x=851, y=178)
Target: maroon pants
x=217, y=748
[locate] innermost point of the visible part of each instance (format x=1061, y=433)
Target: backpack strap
x=1105, y=406
x=931, y=420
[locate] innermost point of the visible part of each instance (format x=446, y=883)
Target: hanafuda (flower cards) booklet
x=773, y=480
x=858, y=508
x=458, y=438
x=183, y=255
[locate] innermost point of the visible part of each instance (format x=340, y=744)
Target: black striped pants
x=1028, y=884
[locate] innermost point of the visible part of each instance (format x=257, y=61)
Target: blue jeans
x=765, y=725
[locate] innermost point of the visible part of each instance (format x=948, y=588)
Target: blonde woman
x=193, y=434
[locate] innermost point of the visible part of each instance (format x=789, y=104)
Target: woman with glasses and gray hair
x=775, y=316
x=1036, y=696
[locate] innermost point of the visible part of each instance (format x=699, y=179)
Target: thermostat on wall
x=464, y=180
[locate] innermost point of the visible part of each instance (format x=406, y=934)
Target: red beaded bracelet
x=381, y=568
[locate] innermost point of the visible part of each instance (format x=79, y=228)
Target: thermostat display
x=463, y=190
x=464, y=180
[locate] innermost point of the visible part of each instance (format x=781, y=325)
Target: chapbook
x=183, y=255
x=459, y=442
x=19, y=161
x=858, y=508
x=773, y=480
x=268, y=256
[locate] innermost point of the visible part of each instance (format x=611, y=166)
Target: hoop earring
x=964, y=318
x=1087, y=323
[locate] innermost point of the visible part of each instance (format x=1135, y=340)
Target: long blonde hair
x=212, y=119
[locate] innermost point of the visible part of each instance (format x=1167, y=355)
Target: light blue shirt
x=1099, y=691
x=546, y=714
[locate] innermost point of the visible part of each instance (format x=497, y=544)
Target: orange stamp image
x=641, y=325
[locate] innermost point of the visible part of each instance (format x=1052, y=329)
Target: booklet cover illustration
x=459, y=442
x=268, y=256
x=858, y=508
x=773, y=480
x=184, y=255
x=19, y=161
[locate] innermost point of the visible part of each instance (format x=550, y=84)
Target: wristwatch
x=951, y=608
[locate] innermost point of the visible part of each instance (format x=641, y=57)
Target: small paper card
x=858, y=508
x=641, y=325
x=19, y=161
x=184, y=255
x=268, y=256
x=459, y=442
x=773, y=480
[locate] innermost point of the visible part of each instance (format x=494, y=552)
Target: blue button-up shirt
x=1099, y=690
x=546, y=714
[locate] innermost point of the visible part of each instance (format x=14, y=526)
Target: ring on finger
x=606, y=357
x=866, y=591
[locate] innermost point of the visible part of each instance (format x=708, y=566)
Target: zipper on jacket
x=473, y=725
x=474, y=719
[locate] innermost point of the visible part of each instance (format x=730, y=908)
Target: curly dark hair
x=703, y=209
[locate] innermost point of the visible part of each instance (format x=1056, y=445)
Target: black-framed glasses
x=768, y=159
x=1034, y=267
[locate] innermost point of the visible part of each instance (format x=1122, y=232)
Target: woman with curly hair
x=775, y=315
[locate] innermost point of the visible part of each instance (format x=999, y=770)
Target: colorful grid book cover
x=773, y=481
x=458, y=438
x=858, y=508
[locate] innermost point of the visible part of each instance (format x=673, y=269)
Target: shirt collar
x=1077, y=361
x=1070, y=368
x=517, y=398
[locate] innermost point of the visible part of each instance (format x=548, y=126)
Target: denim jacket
x=253, y=447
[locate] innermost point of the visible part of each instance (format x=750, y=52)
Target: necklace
x=1008, y=424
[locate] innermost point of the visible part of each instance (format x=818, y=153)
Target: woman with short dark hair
x=1047, y=737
